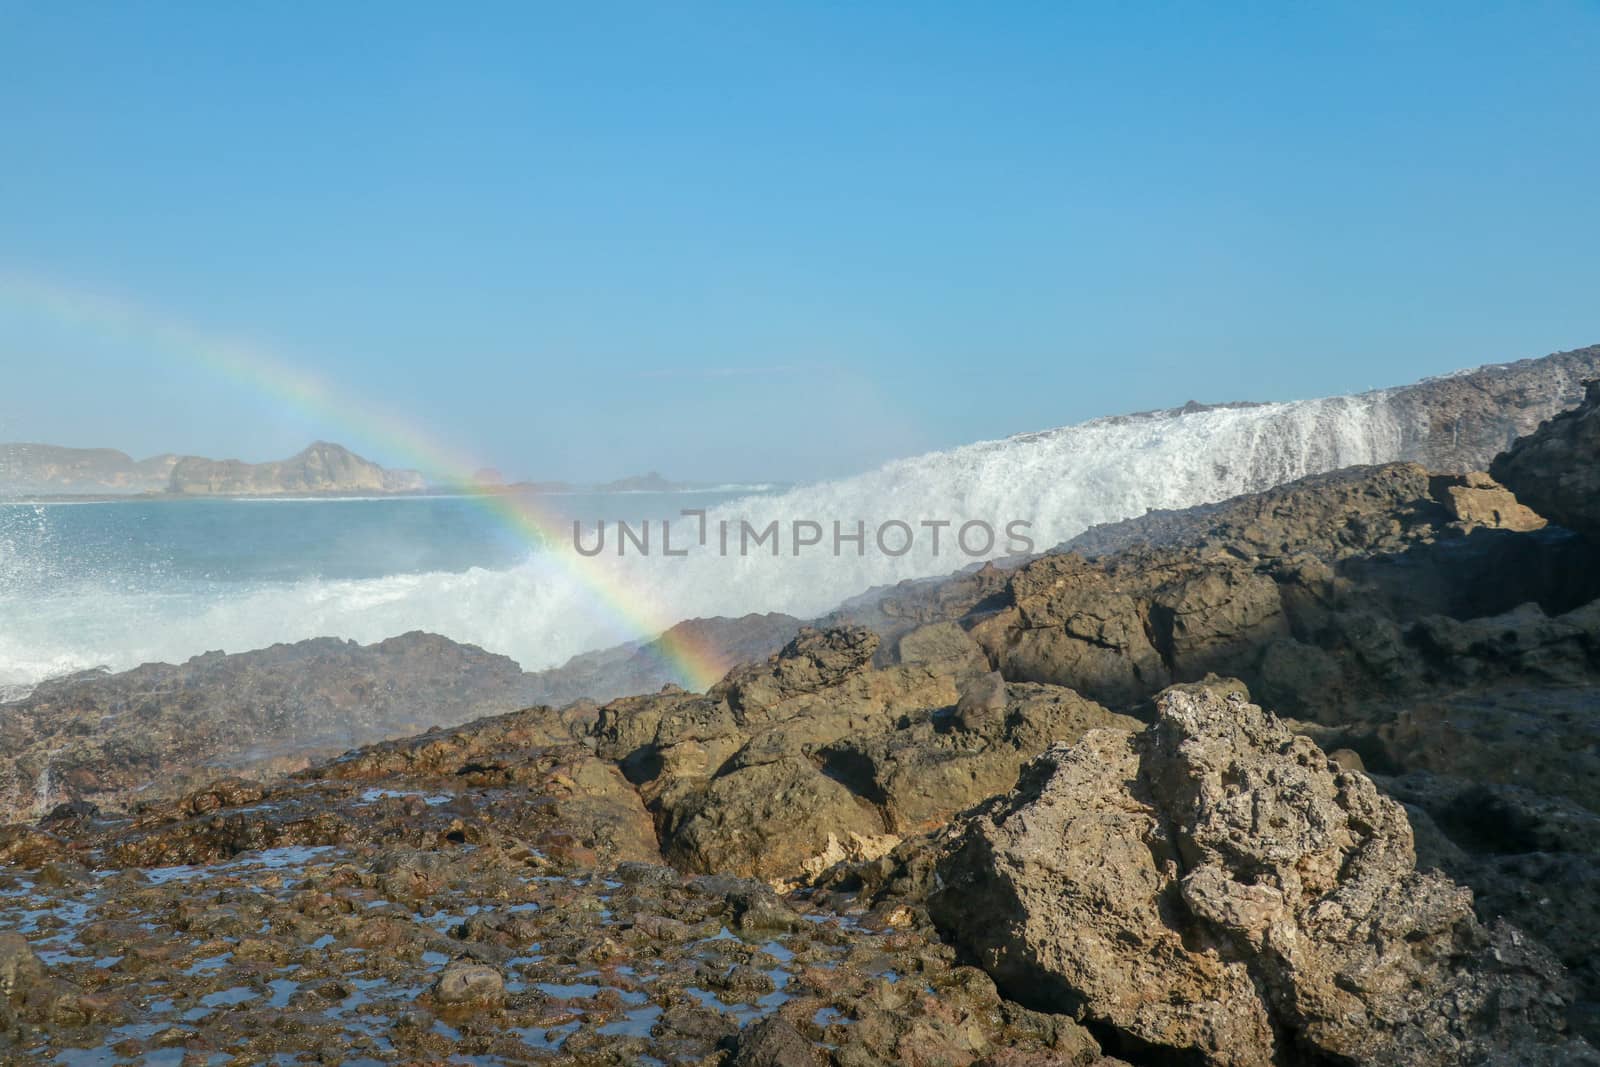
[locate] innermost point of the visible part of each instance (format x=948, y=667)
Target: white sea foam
x=540, y=613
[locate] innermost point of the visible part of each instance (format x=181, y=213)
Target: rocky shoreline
x=1307, y=778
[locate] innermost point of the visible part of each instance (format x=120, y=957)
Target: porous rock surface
x=1216, y=886
x=817, y=756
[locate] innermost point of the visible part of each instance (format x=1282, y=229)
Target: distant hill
x=321, y=467
x=653, y=482
x=35, y=468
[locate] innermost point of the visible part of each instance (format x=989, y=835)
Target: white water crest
x=541, y=613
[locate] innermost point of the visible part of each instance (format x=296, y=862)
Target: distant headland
x=322, y=468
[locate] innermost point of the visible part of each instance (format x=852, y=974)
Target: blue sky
x=783, y=240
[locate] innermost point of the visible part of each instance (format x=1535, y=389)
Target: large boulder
x=733, y=778
x=1218, y=886
x=817, y=757
x=936, y=764
x=1556, y=469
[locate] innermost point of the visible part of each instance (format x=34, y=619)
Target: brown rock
x=1556, y=469
x=469, y=985
x=773, y=1042
x=1478, y=500
x=1217, y=885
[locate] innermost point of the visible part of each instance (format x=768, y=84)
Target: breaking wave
x=539, y=613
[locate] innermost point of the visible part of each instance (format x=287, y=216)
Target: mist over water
x=117, y=584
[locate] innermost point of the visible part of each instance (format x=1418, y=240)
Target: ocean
x=115, y=584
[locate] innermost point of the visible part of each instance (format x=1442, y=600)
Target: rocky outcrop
x=1320, y=594
x=160, y=729
x=818, y=756
x=1216, y=886
x=431, y=951
x=321, y=467
x=33, y=468
x=516, y=781
x=491, y=891
x=1556, y=469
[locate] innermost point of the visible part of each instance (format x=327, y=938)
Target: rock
x=1347, y=759
x=942, y=643
x=1056, y=891
x=636, y=668
x=813, y=661
x=1534, y=737
x=773, y=1042
x=752, y=905
x=1478, y=500
x=982, y=708
x=817, y=758
x=163, y=730
x=62, y=872
x=1556, y=469
x=160, y=730
x=1218, y=886
x=1075, y=627
x=766, y=820
x=223, y=793
x=19, y=967
x=463, y=985
x=1305, y=592
x=927, y=767
x=733, y=776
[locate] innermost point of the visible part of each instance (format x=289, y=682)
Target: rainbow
x=695, y=662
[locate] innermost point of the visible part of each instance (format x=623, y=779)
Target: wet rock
x=161, y=730
x=639, y=874
x=70, y=814
x=773, y=1042
x=25, y=846
x=752, y=905
x=19, y=967
x=62, y=872
x=1217, y=885
x=469, y=985
x=223, y=793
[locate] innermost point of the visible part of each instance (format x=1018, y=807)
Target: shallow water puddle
x=291, y=923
